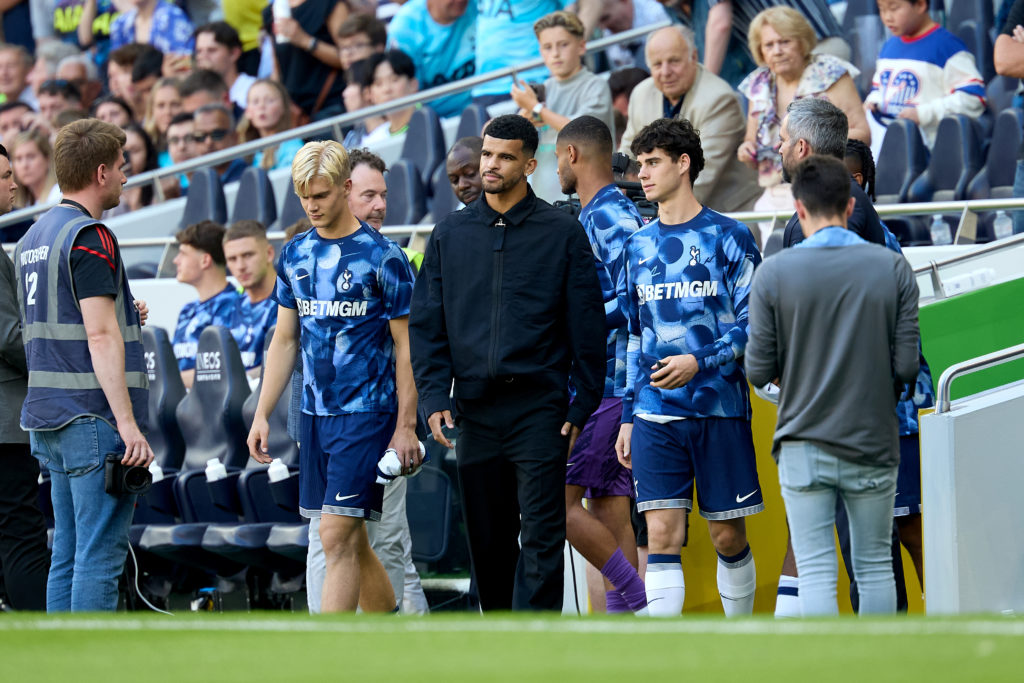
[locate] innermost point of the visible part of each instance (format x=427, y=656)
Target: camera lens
x=137, y=480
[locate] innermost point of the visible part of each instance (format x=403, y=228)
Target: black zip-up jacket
x=504, y=300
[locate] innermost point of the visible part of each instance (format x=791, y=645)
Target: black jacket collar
x=517, y=215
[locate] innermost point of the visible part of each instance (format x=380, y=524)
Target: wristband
x=536, y=110
x=313, y=42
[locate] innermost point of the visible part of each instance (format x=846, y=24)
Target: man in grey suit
x=24, y=557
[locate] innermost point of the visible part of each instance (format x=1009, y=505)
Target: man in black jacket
x=507, y=304
x=816, y=126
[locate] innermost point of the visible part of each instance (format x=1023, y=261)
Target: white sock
x=737, y=582
x=666, y=589
x=787, y=601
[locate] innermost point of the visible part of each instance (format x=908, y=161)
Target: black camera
x=119, y=479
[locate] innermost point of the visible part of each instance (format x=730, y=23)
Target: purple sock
x=614, y=603
x=621, y=574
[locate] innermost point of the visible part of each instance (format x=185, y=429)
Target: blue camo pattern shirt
x=195, y=317
x=252, y=321
x=609, y=218
x=924, y=392
x=346, y=291
x=685, y=290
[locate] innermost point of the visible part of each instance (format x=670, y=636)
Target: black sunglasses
x=215, y=135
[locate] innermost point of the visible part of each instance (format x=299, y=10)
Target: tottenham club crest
x=694, y=255
x=346, y=276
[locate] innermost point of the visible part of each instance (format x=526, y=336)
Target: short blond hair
x=323, y=159
x=788, y=22
x=567, y=20
x=81, y=148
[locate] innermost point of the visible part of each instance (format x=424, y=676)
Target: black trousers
x=511, y=461
x=24, y=557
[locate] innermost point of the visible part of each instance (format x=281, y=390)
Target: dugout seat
x=407, y=200
x=444, y=201
x=424, y=144
x=291, y=210
x=255, y=198
x=210, y=418
x=205, y=199
x=428, y=502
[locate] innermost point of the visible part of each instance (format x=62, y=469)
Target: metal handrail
x=942, y=402
x=336, y=123
x=973, y=253
x=908, y=209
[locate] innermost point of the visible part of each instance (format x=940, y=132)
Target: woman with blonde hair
x=31, y=157
x=781, y=41
x=163, y=104
x=269, y=111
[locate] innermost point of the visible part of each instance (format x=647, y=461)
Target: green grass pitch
x=275, y=647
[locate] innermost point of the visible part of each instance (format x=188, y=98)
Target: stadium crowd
x=186, y=79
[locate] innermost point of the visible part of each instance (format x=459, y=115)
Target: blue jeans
x=811, y=479
x=90, y=540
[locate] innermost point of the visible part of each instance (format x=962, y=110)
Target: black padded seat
x=255, y=198
x=205, y=199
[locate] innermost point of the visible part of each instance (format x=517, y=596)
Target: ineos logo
x=208, y=360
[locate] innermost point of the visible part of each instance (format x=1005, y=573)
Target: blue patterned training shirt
x=346, y=291
x=252, y=321
x=685, y=290
x=609, y=218
x=195, y=317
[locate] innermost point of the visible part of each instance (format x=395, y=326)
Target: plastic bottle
x=1003, y=225
x=156, y=471
x=941, y=233
x=215, y=470
x=281, y=10
x=277, y=471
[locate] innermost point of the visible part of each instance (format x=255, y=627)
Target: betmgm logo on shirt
x=328, y=309
x=697, y=289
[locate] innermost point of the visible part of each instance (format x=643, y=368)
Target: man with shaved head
x=681, y=88
x=463, y=168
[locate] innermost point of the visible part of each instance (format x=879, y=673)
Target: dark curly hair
x=514, y=127
x=676, y=137
x=861, y=154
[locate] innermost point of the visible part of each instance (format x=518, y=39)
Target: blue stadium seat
x=424, y=144
x=444, y=200
x=205, y=200
x=211, y=421
x=902, y=159
x=471, y=123
x=864, y=31
x=255, y=198
x=141, y=271
x=953, y=163
x=428, y=502
x=979, y=43
x=407, y=200
x=291, y=210
x=999, y=94
x=995, y=180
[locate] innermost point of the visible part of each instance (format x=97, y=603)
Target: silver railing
x=933, y=267
x=942, y=402
x=334, y=125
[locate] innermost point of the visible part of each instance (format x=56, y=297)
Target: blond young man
x=343, y=300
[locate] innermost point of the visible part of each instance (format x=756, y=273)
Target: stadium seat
x=975, y=36
x=953, y=163
x=205, y=200
x=211, y=421
x=902, y=159
x=424, y=144
x=995, y=179
x=443, y=201
x=428, y=502
x=471, y=123
x=255, y=198
x=863, y=30
x=999, y=94
x=291, y=210
x=407, y=200
x=166, y=390
x=141, y=271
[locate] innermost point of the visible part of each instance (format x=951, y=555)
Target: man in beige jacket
x=679, y=87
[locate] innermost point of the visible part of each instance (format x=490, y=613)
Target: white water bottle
x=941, y=234
x=1003, y=225
x=156, y=471
x=215, y=470
x=277, y=471
x=281, y=10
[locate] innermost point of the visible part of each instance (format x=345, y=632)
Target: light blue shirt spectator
x=442, y=53
x=505, y=30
